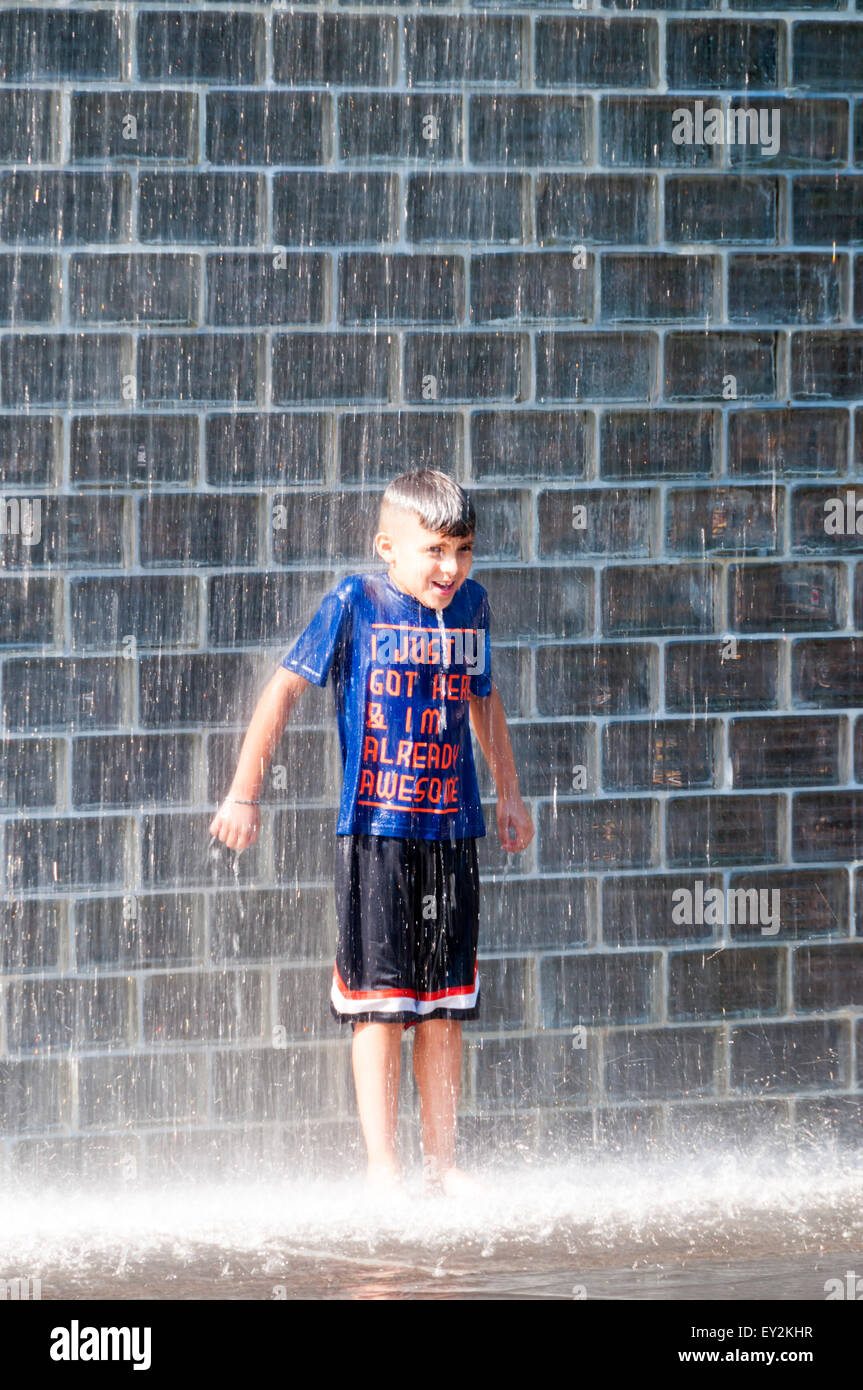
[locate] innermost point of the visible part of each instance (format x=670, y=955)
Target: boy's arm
x=488, y=721
x=235, y=823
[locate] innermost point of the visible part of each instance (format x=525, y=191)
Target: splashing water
x=561, y=1222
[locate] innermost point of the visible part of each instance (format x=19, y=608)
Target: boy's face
x=426, y=564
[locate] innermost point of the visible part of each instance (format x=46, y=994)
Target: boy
x=410, y=660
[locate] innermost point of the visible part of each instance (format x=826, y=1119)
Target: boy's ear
x=384, y=546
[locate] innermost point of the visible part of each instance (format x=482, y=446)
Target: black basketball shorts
x=408, y=923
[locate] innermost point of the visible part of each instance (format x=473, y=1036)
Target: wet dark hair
x=437, y=500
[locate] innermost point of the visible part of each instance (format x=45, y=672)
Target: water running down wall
x=257, y=260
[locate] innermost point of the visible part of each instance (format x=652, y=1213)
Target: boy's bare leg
x=376, y=1056
x=437, y=1068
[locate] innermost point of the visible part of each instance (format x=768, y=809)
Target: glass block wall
x=602, y=264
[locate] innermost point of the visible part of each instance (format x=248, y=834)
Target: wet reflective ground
x=764, y=1227
x=550, y=1273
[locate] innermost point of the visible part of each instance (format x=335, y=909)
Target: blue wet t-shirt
x=401, y=686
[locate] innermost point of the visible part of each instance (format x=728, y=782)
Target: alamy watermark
x=77, y=1343
x=416, y=647
x=737, y=125
x=726, y=906
x=851, y=1287
x=20, y=1289
x=21, y=516
x=843, y=516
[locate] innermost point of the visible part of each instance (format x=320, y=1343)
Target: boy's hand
x=236, y=825
x=514, y=823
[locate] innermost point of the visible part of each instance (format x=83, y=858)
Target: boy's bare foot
x=452, y=1182
x=456, y=1183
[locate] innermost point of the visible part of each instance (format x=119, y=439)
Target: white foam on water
x=617, y=1203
